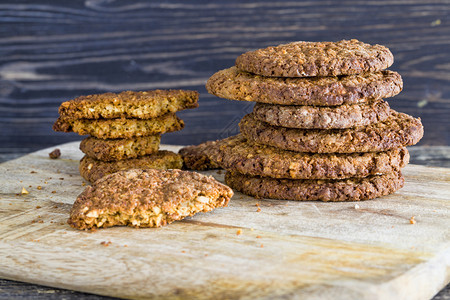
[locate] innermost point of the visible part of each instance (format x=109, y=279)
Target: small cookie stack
x=320, y=129
x=125, y=129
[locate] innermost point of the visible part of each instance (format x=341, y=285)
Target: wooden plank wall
x=53, y=51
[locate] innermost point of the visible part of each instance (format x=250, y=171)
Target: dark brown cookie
x=323, y=117
x=196, y=157
x=118, y=149
x=146, y=198
x=399, y=130
x=128, y=104
x=354, y=189
x=304, y=59
x=120, y=128
x=237, y=155
x=92, y=169
x=322, y=91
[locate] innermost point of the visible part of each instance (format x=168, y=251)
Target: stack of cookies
x=320, y=129
x=125, y=129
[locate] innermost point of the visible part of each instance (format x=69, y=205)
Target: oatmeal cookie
x=119, y=149
x=92, y=169
x=128, y=104
x=237, y=155
x=120, y=128
x=353, y=189
x=323, y=117
x=399, y=130
x=197, y=157
x=146, y=198
x=305, y=59
x=321, y=91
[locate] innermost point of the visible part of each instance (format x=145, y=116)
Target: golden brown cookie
x=118, y=149
x=146, y=198
x=92, y=169
x=304, y=59
x=120, y=128
x=128, y=104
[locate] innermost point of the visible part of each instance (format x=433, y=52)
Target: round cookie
x=92, y=169
x=119, y=149
x=322, y=91
x=146, y=198
x=120, y=128
x=128, y=104
x=399, y=130
x=237, y=155
x=305, y=59
x=354, y=189
x=196, y=157
x=322, y=117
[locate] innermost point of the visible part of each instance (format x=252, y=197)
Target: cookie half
x=146, y=198
x=197, y=157
x=119, y=149
x=323, y=117
x=120, y=128
x=323, y=91
x=237, y=155
x=304, y=59
x=128, y=104
x=399, y=130
x=92, y=169
x=354, y=189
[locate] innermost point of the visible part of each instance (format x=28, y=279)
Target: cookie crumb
x=258, y=236
x=106, y=244
x=33, y=172
x=55, y=154
x=262, y=246
x=239, y=232
x=38, y=206
x=412, y=220
x=39, y=187
x=53, y=192
x=259, y=209
x=24, y=191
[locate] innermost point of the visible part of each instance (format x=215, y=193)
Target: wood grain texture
x=309, y=249
x=53, y=51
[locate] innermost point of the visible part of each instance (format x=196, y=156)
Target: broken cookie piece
x=146, y=198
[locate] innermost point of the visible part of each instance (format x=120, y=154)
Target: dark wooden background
x=52, y=51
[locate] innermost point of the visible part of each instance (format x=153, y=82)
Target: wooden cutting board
x=288, y=249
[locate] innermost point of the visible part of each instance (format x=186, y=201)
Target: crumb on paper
x=239, y=232
x=55, y=154
x=258, y=209
x=356, y=206
x=33, y=172
x=412, y=220
x=258, y=236
x=53, y=192
x=83, y=184
x=183, y=251
x=24, y=191
x=38, y=206
x=106, y=244
x=39, y=187
x=262, y=246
